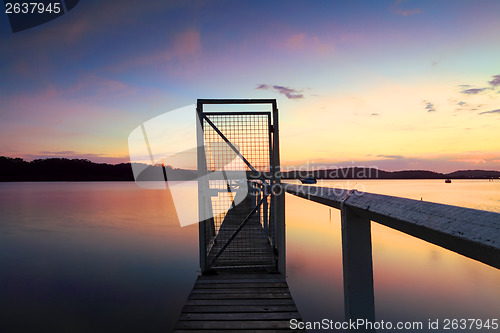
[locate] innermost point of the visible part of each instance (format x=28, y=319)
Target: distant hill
x=62, y=169
x=373, y=173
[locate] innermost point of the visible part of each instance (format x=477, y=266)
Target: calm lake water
x=112, y=257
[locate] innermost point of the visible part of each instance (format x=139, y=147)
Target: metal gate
x=241, y=211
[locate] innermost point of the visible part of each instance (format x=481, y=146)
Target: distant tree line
x=373, y=173
x=63, y=169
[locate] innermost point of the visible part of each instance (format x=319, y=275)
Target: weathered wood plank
x=248, y=301
x=236, y=276
x=238, y=308
x=254, y=290
x=241, y=316
x=234, y=325
x=469, y=232
x=237, y=302
x=240, y=330
x=240, y=296
x=277, y=280
x=240, y=285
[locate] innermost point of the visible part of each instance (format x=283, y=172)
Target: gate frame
x=277, y=197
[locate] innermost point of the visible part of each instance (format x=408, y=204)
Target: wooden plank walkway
x=238, y=302
x=243, y=291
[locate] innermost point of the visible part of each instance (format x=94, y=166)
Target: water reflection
x=102, y=257
x=92, y=257
x=413, y=280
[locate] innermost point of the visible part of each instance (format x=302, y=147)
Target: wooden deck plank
x=238, y=308
x=235, y=281
x=240, y=285
x=239, y=330
x=247, y=301
x=239, y=296
x=234, y=325
x=236, y=302
x=253, y=290
x=245, y=293
x=241, y=316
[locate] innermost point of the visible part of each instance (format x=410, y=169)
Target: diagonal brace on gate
x=234, y=149
x=235, y=233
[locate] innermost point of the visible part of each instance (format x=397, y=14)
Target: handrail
x=470, y=232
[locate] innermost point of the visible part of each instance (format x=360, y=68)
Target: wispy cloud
x=473, y=91
x=492, y=111
x=395, y=157
x=429, y=106
x=461, y=103
x=375, y=114
x=496, y=81
x=288, y=92
x=310, y=44
x=396, y=9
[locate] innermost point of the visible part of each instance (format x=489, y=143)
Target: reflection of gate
x=242, y=218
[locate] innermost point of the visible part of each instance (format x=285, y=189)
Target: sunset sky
x=393, y=84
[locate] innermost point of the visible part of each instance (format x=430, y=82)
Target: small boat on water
x=447, y=181
x=308, y=180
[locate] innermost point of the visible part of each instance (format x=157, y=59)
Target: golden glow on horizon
x=391, y=120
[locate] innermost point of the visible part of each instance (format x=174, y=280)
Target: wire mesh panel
x=248, y=131
x=235, y=145
x=249, y=134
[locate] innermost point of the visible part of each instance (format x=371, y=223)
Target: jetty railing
x=469, y=232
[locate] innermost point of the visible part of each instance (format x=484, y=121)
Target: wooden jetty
x=238, y=301
x=233, y=297
x=242, y=249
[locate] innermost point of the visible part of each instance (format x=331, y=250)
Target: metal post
x=357, y=266
x=279, y=202
x=265, y=210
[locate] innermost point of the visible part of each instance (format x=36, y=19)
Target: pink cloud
x=396, y=9
x=180, y=57
x=302, y=41
x=187, y=43
x=296, y=41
